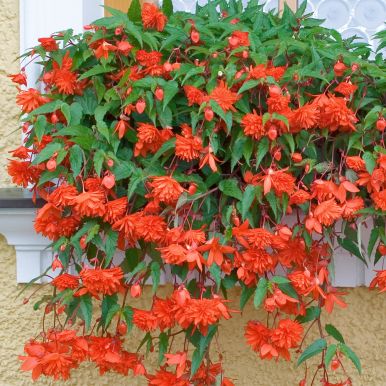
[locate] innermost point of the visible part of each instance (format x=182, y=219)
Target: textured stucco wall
x=362, y=323
x=9, y=51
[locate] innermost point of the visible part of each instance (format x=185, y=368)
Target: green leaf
x=76, y=159
x=215, y=270
x=96, y=70
x=273, y=203
x=261, y=292
x=162, y=346
x=312, y=313
x=262, y=150
x=230, y=188
x=248, y=85
x=47, y=152
x=334, y=332
x=128, y=315
x=135, y=180
x=170, y=90
x=289, y=290
x=330, y=352
x=350, y=354
x=247, y=200
x=203, y=344
x=65, y=108
x=167, y=7
x=40, y=127
x=85, y=310
x=134, y=12
x=313, y=349
x=155, y=271
x=111, y=242
x=374, y=235
x=351, y=247
x=370, y=161
x=279, y=280
x=49, y=107
x=109, y=308
x=76, y=113
x=98, y=159
x=246, y=293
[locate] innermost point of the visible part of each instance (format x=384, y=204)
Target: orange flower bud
x=272, y=133
x=208, y=114
x=182, y=295
x=192, y=189
x=194, y=36
x=51, y=164
x=140, y=106
x=122, y=328
x=167, y=67
x=296, y=157
x=277, y=155
x=82, y=242
x=382, y=249
x=339, y=68
x=159, y=93
x=274, y=90
x=110, y=163
x=135, y=291
x=335, y=364
x=108, y=181
x=381, y=124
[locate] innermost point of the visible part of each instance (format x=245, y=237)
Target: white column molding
x=32, y=252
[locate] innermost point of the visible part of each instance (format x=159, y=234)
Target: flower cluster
x=213, y=150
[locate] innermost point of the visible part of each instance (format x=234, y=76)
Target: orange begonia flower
x=152, y=17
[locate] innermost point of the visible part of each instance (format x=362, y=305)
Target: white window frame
x=39, y=18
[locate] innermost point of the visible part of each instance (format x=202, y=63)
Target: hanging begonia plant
x=230, y=147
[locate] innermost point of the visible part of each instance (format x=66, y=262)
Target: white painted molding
x=32, y=254
x=41, y=18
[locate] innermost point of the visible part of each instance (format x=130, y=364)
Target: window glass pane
x=351, y=17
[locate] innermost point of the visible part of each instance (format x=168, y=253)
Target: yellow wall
x=362, y=323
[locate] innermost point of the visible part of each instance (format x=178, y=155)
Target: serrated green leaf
x=261, y=292
x=162, y=346
x=370, y=161
x=128, y=315
x=40, y=127
x=96, y=70
x=312, y=313
x=47, y=152
x=231, y=188
x=76, y=159
x=134, y=12
x=313, y=349
x=262, y=150
x=155, y=271
x=279, y=280
x=247, y=200
x=334, y=332
x=170, y=88
x=330, y=352
x=248, y=85
x=246, y=294
x=350, y=354
x=85, y=310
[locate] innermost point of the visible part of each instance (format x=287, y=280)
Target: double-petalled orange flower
x=102, y=281
x=165, y=189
